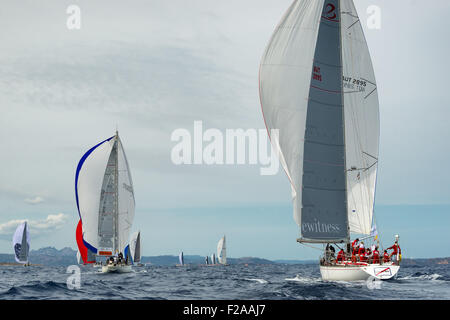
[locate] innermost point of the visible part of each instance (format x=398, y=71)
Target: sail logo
x=330, y=12
x=235, y=147
x=316, y=74
x=318, y=227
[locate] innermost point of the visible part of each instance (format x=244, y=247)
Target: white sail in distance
x=21, y=243
x=316, y=79
x=222, y=251
x=105, y=197
x=135, y=247
x=181, y=258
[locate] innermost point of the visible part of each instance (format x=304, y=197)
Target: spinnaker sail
x=21, y=243
x=105, y=197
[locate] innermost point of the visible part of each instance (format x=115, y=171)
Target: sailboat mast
x=116, y=195
x=343, y=116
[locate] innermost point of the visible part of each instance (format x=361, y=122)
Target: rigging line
x=353, y=24
x=303, y=243
x=370, y=166
x=370, y=155
x=370, y=93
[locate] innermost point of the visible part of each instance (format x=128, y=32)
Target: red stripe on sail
x=81, y=247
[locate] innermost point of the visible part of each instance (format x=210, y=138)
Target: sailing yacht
x=320, y=105
x=181, y=259
x=21, y=244
x=105, y=201
x=222, y=251
x=133, y=250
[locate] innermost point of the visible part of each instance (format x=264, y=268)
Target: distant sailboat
x=318, y=88
x=21, y=243
x=213, y=258
x=222, y=251
x=105, y=201
x=180, y=259
x=207, y=260
x=133, y=251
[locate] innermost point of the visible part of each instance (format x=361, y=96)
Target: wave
x=262, y=281
x=424, y=276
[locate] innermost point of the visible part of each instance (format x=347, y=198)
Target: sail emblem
x=331, y=13
x=17, y=249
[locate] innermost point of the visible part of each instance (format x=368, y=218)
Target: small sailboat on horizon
x=21, y=244
x=181, y=260
x=105, y=201
x=222, y=251
x=318, y=89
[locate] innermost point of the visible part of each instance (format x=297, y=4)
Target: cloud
x=36, y=227
x=35, y=200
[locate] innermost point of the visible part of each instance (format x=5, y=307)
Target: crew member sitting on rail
x=366, y=256
x=340, y=256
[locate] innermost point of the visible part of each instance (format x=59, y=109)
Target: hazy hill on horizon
x=50, y=256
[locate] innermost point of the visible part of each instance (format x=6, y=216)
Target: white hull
x=116, y=268
x=358, y=273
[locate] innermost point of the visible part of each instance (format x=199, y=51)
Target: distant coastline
x=50, y=256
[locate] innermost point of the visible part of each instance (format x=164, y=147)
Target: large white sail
x=306, y=94
x=105, y=198
x=362, y=121
x=21, y=243
x=222, y=251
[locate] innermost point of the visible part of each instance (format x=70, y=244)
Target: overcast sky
x=150, y=67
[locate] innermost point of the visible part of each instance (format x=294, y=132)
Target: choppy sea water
x=253, y=282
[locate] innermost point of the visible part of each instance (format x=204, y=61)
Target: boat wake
x=262, y=281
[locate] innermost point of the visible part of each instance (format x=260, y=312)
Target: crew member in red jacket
x=395, y=249
x=340, y=256
x=361, y=251
x=375, y=256
x=386, y=257
x=355, y=247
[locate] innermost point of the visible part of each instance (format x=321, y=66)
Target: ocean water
x=253, y=282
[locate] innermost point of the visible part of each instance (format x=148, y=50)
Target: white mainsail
x=317, y=87
x=222, y=251
x=21, y=243
x=105, y=198
x=135, y=247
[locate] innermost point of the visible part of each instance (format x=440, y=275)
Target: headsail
x=105, y=198
x=21, y=243
x=303, y=92
x=222, y=251
x=135, y=246
x=362, y=121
